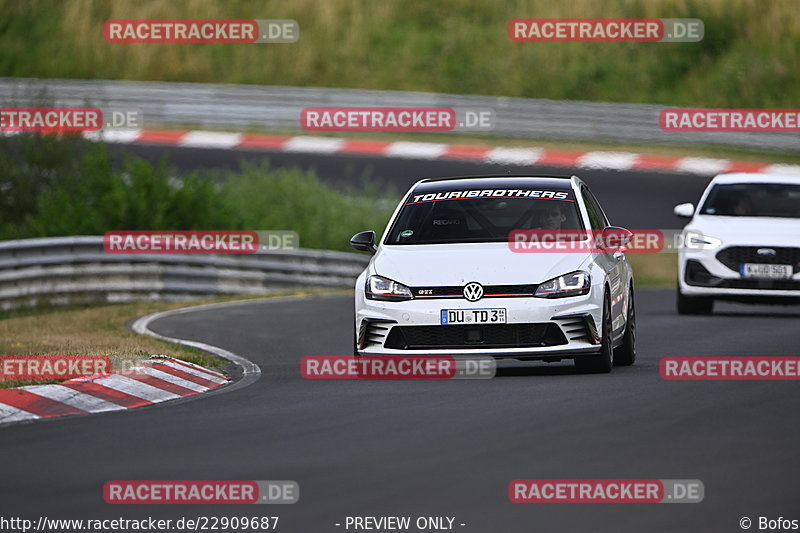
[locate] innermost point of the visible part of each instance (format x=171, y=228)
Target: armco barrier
x=61, y=270
x=217, y=106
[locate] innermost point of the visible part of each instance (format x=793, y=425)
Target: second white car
x=742, y=243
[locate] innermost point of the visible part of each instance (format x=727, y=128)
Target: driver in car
x=551, y=217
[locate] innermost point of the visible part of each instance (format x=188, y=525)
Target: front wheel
x=602, y=362
x=355, y=344
x=625, y=354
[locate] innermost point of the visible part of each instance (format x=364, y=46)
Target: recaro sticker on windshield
x=489, y=193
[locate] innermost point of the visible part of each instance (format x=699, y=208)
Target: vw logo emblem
x=473, y=291
x=765, y=251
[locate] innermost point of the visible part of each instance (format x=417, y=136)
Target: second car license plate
x=760, y=270
x=473, y=316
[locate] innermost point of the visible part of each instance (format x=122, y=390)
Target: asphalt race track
x=445, y=448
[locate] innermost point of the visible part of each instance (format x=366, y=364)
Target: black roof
x=494, y=182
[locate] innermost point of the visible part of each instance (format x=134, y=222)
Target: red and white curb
x=595, y=160
x=152, y=381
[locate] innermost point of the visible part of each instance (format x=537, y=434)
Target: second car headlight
x=698, y=241
x=572, y=284
x=385, y=289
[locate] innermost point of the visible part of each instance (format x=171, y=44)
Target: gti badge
x=766, y=251
x=473, y=291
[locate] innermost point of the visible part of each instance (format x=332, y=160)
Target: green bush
x=56, y=187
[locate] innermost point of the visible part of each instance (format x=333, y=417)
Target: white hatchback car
x=444, y=280
x=742, y=243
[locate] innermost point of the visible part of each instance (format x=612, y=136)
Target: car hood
x=458, y=264
x=752, y=231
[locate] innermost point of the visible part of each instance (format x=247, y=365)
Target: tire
x=694, y=305
x=625, y=354
x=603, y=361
x=358, y=357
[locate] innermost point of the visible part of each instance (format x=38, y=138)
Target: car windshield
x=754, y=200
x=457, y=216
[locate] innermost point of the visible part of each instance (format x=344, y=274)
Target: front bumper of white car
x=716, y=273
x=535, y=328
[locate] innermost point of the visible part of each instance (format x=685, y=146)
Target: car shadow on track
x=516, y=371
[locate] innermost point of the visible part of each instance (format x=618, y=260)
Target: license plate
x=760, y=270
x=473, y=316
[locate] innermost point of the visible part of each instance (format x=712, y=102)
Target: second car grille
x=475, y=336
x=697, y=275
x=734, y=256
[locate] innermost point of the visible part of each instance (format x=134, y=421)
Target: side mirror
x=364, y=242
x=616, y=238
x=684, y=210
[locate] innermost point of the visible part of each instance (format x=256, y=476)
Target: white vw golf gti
x=445, y=279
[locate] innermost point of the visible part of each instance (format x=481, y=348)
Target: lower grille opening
x=762, y=284
x=373, y=331
x=479, y=336
x=697, y=275
x=579, y=328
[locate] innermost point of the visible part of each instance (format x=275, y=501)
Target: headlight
x=572, y=284
x=698, y=241
x=380, y=288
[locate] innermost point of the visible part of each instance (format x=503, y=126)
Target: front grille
x=489, y=291
x=475, y=336
x=733, y=256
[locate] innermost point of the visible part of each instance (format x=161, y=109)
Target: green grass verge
x=98, y=330
x=749, y=56
x=654, y=271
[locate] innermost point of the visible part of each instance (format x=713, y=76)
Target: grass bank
x=95, y=330
x=749, y=56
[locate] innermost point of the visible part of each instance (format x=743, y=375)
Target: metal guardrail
x=250, y=106
x=62, y=270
